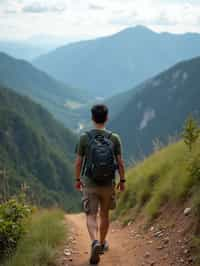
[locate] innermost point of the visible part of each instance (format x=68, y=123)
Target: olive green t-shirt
x=83, y=145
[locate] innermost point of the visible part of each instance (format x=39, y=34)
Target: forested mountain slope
x=37, y=150
x=159, y=108
x=28, y=80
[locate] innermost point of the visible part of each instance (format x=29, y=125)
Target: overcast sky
x=82, y=19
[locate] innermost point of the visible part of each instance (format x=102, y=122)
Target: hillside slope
x=37, y=150
x=159, y=108
x=115, y=63
x=163, y=191
x=53, y=95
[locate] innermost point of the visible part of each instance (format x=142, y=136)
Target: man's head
x=99, y=113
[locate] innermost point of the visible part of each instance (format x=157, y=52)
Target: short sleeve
x=117, y=145
x=81, y=145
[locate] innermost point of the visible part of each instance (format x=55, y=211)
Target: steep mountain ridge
x=29, y=81
x=159, y=108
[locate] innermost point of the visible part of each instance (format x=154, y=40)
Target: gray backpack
x=100, y=159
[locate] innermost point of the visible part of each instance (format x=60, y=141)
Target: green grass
x=161, y=178
x=45, y=233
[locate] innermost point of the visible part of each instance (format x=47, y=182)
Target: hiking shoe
x=95, y=251
x=104, y=247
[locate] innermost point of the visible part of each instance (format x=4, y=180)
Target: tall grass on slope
x=38, y=248
x=162, y=177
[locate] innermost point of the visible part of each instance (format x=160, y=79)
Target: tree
x=191, y=132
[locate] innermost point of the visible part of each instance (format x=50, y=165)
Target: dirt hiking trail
x=132, y=245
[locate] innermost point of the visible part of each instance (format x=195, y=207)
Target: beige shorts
x=97, y=197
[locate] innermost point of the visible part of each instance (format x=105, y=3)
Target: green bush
x=45, y=232
x=194, y=167
x=12, y=224
x=191, y=132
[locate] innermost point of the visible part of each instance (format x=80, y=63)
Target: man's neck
x=99, y=126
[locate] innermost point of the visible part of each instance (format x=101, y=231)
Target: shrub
x=38, y=247
x=191, y=132
x=12, y=224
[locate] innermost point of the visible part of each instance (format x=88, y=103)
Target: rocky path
x=129, y=246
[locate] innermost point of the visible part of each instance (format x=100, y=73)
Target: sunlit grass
x=162, y=177
x=39, y=246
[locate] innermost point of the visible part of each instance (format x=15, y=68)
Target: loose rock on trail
x=133, y=245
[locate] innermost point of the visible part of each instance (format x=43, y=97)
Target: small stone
x=67, y=251
x=150, y=242
x=147, y=255
x=165, y=257
x=166, y=240
x=186, y=251
x=158, y=234
x=187, y=211
x=190, y=260
x=152, y=229
x=160, y=247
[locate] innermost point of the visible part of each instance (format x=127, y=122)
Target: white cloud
x=78, y=19
x=95, y=7
x=39, y=7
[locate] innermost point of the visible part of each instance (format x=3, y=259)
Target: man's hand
x=121, y=186
x=79, y=185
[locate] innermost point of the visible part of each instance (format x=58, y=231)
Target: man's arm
x=78, y=166
x=121, y=167
x=80, y=151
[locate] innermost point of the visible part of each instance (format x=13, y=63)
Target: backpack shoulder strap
x=90, y=135
x=108, y=134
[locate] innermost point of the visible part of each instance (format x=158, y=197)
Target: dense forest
x=35, y=150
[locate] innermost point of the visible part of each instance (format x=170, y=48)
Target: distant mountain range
x=36, y=150
x=57, y=97
x=159, y=108
x=22, y=50
x=32, y=47
x=119, y=62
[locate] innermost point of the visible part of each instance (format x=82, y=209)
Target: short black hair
x=99, y=113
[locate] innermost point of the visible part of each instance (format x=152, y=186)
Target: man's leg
x=90, y=203
x=104, y=225
x=92, y=226
x=105, y=203
x=91, y=209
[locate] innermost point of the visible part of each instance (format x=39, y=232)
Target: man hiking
x=99, y=155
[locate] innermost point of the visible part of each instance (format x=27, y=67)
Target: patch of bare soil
x=165, y=243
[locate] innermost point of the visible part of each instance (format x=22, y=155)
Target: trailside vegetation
x=13, y=217
x=171, y=174
x=45, y=232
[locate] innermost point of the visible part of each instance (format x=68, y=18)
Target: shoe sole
x=104, y=251
x=95, y=258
